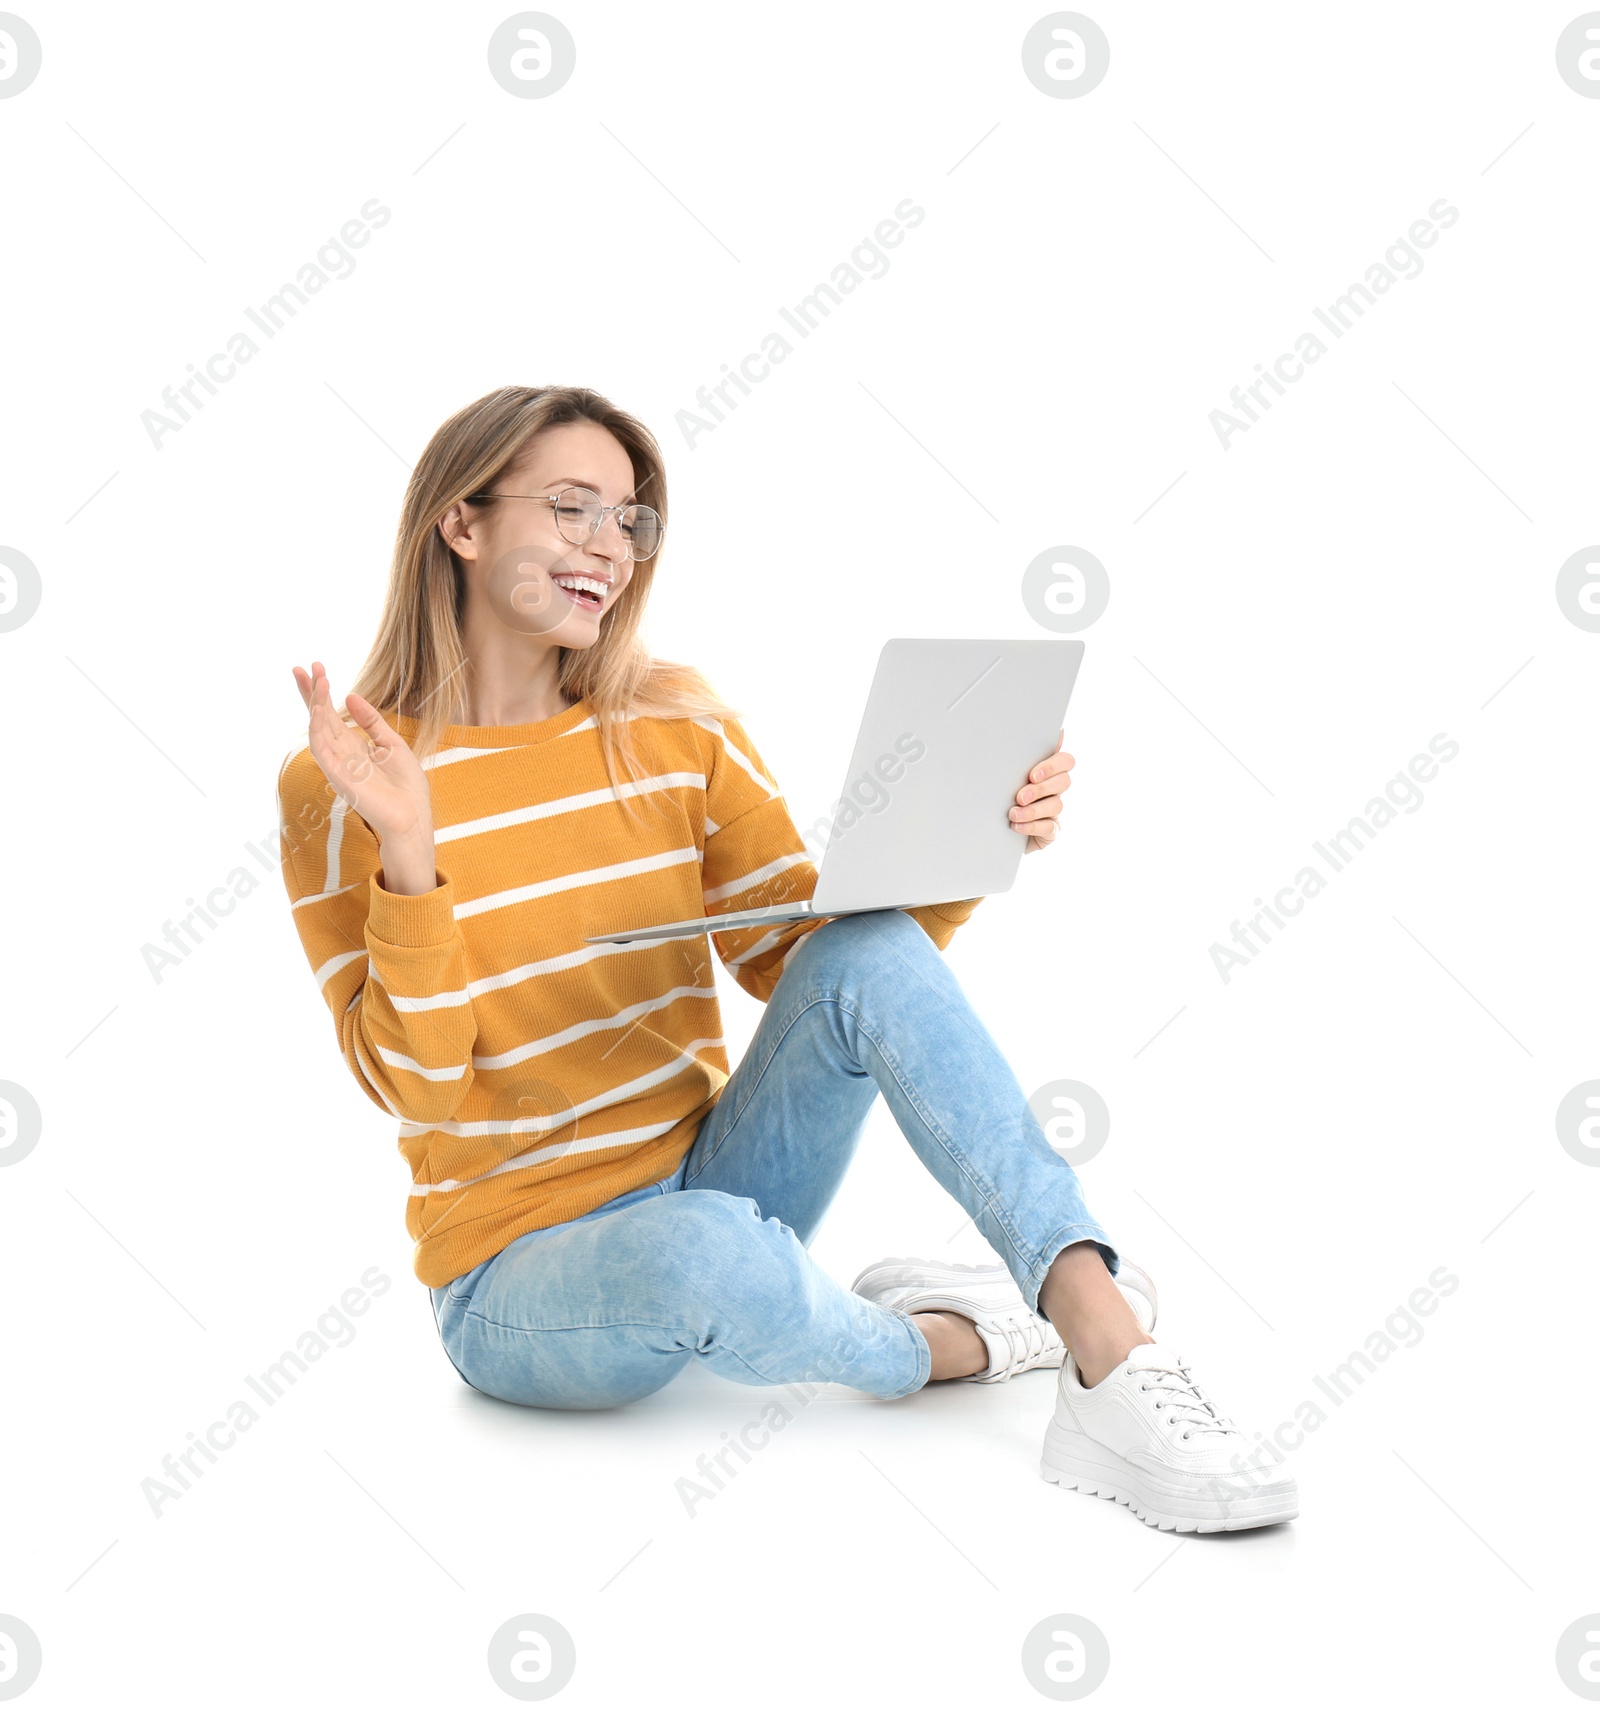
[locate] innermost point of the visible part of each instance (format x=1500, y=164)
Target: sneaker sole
x=1074, y=1461
x=939, y=1270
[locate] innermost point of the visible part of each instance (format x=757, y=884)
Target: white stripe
x=579, y=878
x=588, y=1027
x=763, y=944
x=460, y=997
x=736, y=755
x=371, y=1074
x=591, y=725
x=317, y=898
x=744, y=883
x=534, y=1157
x=462, y=753
x=428, y=1002
x=538, y=968
x=713, y=827
x=549, y=1122
x=563, y=806
x=404, y=1063
x=466, y=752
x=335, y=843
x=337, y=964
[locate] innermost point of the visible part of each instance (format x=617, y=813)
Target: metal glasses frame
x=553, y=500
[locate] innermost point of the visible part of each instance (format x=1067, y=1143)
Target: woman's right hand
x=373, y=769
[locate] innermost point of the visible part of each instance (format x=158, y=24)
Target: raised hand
x=373, y=769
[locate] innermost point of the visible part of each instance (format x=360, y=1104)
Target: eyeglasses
x=580, y=513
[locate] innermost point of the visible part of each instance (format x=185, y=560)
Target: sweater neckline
x=503, y=737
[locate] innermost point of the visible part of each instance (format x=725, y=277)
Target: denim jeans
x=711, y=1262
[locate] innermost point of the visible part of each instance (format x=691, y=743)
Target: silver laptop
x=951, y=728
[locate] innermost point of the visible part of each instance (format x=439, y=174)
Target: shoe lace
x=1183, y=1400
x=1025, y=1341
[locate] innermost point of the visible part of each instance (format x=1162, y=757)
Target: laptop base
x=767, y=918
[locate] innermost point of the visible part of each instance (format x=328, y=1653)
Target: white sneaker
x=1016, y=1338
x=1149, y=1437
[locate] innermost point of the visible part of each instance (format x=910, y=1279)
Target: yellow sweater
x=534, y=1077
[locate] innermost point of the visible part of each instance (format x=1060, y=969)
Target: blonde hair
x=417, y=666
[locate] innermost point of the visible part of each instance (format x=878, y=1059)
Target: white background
x=1371, y=1099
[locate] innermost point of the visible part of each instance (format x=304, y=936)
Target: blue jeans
x=711, y=1262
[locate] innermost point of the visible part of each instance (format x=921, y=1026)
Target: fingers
x=339, y=752
x=1059, y=763
x=1038, y=805
x=1046, y=785
x=317, y=696
x=385, y=740
x=1039, y=833
x=307, y=684
x=1037, y=818
x=370, y=721
x=1046, y=809
x=324, y=724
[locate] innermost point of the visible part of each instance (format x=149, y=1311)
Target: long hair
x=417, y=666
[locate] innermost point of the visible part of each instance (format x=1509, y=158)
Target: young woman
x=595, y=1200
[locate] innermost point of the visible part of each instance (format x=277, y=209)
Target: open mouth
x=586, y=592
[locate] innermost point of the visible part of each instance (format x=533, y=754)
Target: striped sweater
x=534, y=1077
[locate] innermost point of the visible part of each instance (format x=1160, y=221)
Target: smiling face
x=535, y=580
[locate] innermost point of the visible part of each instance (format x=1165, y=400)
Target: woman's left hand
x=1038, y=806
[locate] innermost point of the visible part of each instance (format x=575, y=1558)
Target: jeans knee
x=863, y=944
x=683, y=1228
x=709, y=1246
x=560, y=1370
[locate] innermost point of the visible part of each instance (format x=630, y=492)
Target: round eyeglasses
x=580, y=512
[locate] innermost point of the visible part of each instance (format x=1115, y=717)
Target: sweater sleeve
x=391, y=966
x=755, y=857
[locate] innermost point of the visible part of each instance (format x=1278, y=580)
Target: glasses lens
x=641, y=530
x=577, y=513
